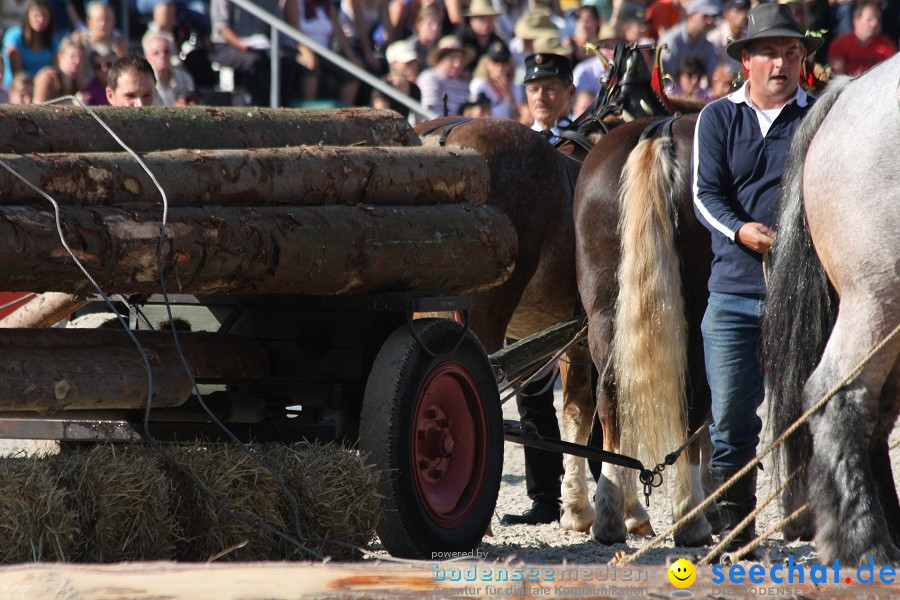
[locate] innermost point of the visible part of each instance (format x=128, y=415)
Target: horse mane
x=801, y=306
x=686, y=105
x=649, y=348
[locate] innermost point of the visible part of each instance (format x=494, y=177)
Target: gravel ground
x=548, y=544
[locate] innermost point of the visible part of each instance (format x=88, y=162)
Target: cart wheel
x=435, y=427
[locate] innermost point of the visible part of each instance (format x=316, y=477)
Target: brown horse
x=643, y=261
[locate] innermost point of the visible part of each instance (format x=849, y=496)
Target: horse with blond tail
x=643, y=285
x=831, y=333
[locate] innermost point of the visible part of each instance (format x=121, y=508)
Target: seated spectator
x=535, y=24
x=479, y=33
x=633, y=25
x=445, y=76
x=663, y=15
x=722, y=82
x=587, y=30
x=403, y=63
x=65, y=79
x=732, y=27
x=583, y=101
x=94, y=93
x=865, y=46
x=688, y=38
x=427, y=32
x=493, y=79
x=319, y=20
x=100, y=34
x=477, y=106
x=173, y=84
x=359, y=19
x=689, y=79
x=241, y=41
x=21, y=91
x=131, y=82
x=29, y=47
x=166, y=15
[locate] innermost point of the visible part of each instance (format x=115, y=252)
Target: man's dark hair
x=132, y=63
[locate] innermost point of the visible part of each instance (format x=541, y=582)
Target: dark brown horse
x=643, y=261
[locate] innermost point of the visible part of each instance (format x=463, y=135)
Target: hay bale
x=36, y=522
x=122, y=499
x=337, y=497
x=239, y=483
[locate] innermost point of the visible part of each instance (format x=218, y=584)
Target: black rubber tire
x=399, y=387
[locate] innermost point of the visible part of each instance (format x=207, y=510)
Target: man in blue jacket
x=740, y=146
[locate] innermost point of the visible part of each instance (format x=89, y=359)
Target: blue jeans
x=731, y=335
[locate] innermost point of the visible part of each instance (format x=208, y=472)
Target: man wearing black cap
x=740, y=145
x=549, y=91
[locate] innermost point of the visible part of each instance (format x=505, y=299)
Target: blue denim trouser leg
x=731, y=336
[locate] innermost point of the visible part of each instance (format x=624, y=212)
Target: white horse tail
x=649, y=349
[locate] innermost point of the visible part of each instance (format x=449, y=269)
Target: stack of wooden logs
x=260, y=201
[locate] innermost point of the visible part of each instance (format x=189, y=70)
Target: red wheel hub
x=449, y=444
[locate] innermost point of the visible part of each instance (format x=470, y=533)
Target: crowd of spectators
x=455, y=56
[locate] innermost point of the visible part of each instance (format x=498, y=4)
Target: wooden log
x=307, y=176
x=445, y=249
x=49, y=370
x=36, y=128
x=43, y=310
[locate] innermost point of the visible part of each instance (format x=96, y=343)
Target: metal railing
x=277, y=25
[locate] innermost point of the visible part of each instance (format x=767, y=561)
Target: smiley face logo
x=682, y=573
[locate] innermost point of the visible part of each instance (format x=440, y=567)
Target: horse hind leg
x=879, y=454
x=850, y=522
x=578, y=416
x=687, y=495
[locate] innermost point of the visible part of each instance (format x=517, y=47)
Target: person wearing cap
x=549, y=91
x=732, y=27
x=864, y=47
x=493, y=77
x=740, y=145
x=688, y=38
x=662, y=15
x=403, y=63
x=479, y=33
x=447, y=62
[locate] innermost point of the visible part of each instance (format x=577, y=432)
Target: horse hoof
x=572, y=521
x=693, y=542
x=608, y=535
x=642, y=528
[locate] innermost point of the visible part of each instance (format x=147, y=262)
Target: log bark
x=308, y=176
x=43, y=310
x=48, y=370
x=36, y=128
x=446, y=249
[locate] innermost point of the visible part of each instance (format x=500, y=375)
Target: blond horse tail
x=649, y=349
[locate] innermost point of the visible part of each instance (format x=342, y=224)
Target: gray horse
x=834, y=304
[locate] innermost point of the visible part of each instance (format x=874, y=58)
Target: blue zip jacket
x=736, y=179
